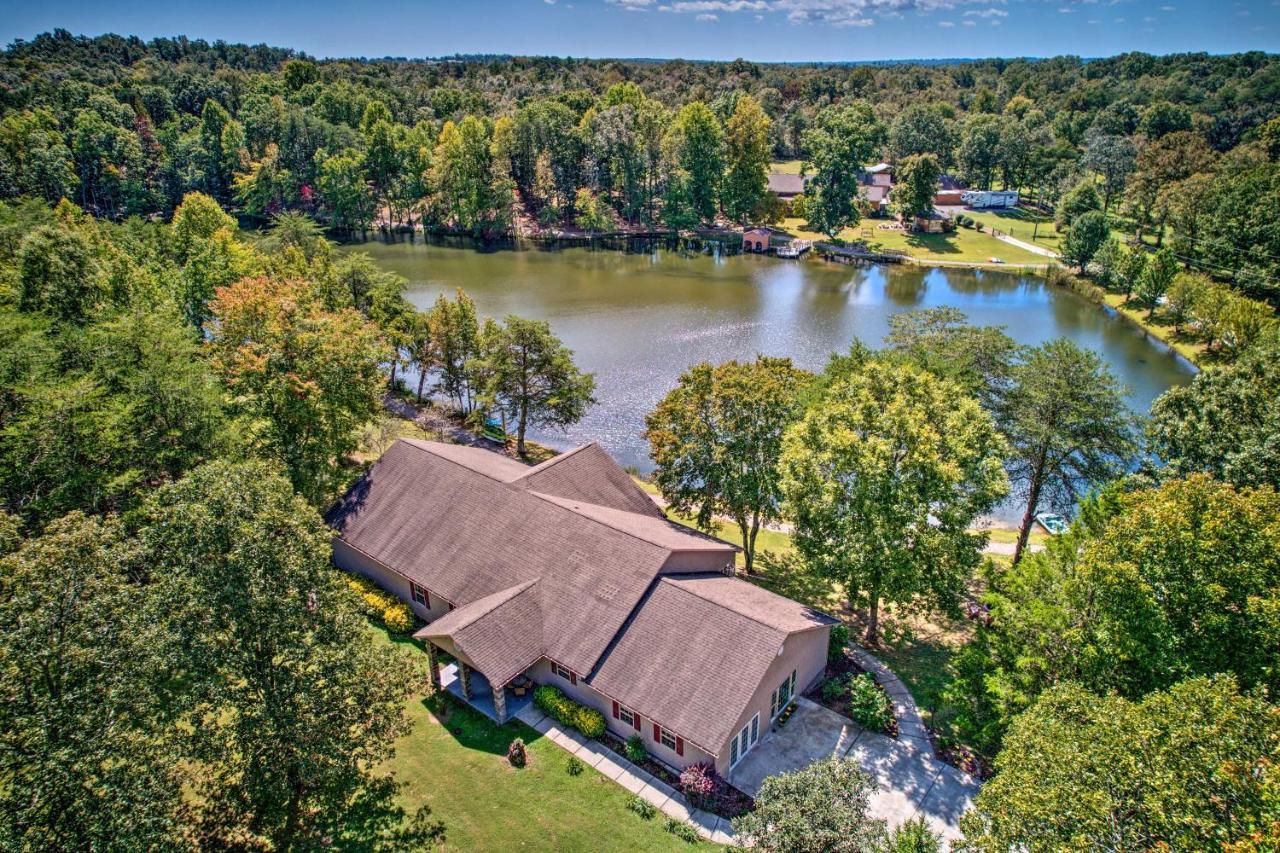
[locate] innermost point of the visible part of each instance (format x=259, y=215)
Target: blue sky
x=761, y=30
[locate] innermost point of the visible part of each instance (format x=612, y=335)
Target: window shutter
x=679, y=746
x=657, y=732
x=635, y=718
x=573, y=677
x=426, y=599
x=615, y=710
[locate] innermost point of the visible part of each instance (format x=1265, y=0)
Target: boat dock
x=794, y=249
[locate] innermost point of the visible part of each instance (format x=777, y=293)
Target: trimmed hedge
x=567, y=712
x=380, y=605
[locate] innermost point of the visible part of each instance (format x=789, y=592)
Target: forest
x=190, y=373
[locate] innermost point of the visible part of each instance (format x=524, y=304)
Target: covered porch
x=499, y=703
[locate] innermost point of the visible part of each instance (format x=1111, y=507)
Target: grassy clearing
x=963, y=246
x=1021, y=224
x=786, y=167
x=455, y=760
x=1158, y=328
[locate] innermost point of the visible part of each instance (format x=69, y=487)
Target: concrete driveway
x=909, y=780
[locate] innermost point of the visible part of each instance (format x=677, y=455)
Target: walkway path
x=911, y=728
x=909, y=780
x=639, y=782
x=1022, y=244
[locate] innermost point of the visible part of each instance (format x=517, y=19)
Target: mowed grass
x=1021, y=224
x=786, y=167
x=964, y=245
x=455, y=760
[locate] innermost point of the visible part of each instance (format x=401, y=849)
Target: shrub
x=838, y=642
x=574, y=767
x=868, y=704
x=682, y=829
x=398, y=618
x=635, y=749
x=517, y=754
x=833, y=688
x=700, y=783
x=567, y=712
x=914, y=836
x=642, y=807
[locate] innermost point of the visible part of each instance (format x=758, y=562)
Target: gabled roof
x=501, y=633
x=785, y=183
x=463, y=525
x=696, y=650
x=588, y=474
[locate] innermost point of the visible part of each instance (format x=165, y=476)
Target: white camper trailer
x=979, y=199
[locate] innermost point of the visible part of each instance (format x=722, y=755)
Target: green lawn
x=1189, y=349
x=786, y=167
x=963, y=245
x=1021, y=224
x=455, y=760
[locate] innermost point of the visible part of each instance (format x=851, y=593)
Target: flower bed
x=380, y=605
x=720, y=798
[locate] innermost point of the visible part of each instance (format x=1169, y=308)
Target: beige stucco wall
x=806, y=654
x=348, y=558
x=587, y=695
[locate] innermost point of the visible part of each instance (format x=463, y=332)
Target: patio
x=909, y=780
x=482, y=693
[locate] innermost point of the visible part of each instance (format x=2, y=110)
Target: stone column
x=500, y=703
x=464, y=679
x=433, y=659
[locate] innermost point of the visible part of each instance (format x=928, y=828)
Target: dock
x=850, y=254
x=794, y=249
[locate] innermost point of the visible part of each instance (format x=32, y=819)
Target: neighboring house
x=756, y=239
x=786, y=186
x=568, y=573
x=950, y=191
x=932, y=222
x=876, y=183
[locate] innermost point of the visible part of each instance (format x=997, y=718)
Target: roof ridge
x=554, y=500
x=417, y=444
x=672, y=580
x=559, y=457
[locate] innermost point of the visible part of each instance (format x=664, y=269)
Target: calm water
x=638, y=320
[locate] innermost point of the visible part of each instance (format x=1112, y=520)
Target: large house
x=567, y=573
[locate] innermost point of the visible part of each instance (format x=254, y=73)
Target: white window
x=564, y=672
x=744, y=740
x=779, y=698
x=628, y=718
x=668, y=739
x=419, y=594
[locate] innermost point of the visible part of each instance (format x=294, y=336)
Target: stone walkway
x=639, y=782
x=911, y=728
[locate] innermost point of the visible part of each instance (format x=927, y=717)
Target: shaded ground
x=909, y=781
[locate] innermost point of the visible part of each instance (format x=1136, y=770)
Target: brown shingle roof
x=445, y=521
x=589, y=474
x=501, y=634
x=784, y=183
x=696, y=650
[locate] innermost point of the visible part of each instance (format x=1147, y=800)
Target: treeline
x=1123, y=680
x=183, y=668
x=1184, y=147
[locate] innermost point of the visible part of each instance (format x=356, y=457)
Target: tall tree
x=87, y=752
x=306, y=378
x=1087, y=772
x=883, y=477
x=696, y=137
x=1112, y=157
x=977, y=358
x=1224, y=423
x=747, y=156
x=917, y=182
x=823, y=807
x=291, y=703
x=716, y=439
x=1088, y=233
x=840, y=143
x=535, y=381
x=1067, y=426
x=922, y=129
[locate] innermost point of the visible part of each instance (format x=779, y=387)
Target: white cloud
x=947, y=24
x=1243, y=13
x=832, y=13
x=986, y=13
x=708, y=17
x=1065, y=10
x=633, y=5
x=1168, y=8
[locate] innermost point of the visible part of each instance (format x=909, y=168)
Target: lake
x=638, y=320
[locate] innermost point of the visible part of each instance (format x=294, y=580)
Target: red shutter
x=426, y=598
x=635, y=718
x=615, y=710
x=657, y=732
x=573, y=677
x=679, y=746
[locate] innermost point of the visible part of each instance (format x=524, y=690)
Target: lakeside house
x=785, y=185
x=950, y=191
x=876, y=184
x=567, y=573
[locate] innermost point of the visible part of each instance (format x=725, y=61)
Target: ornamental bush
x=379, y=605
x=398, y=618
x=683, y=830
x=636, y=750
x=837, y=643
x=642, y=807
x=517, y=754
x=868, y=704
x=574, y=766
x=567, y=712
x=700, y=783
